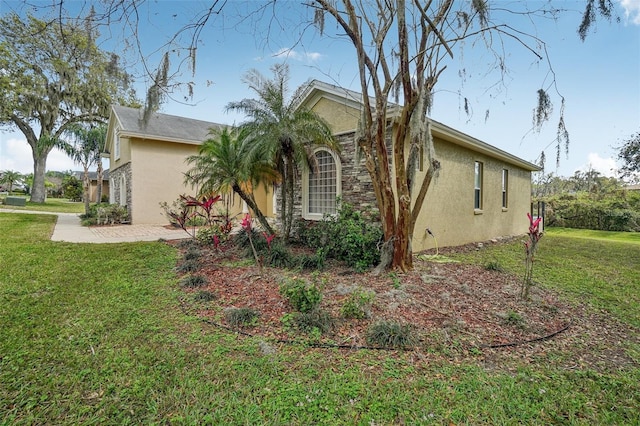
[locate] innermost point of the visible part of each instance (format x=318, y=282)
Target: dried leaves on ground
x=455, y=310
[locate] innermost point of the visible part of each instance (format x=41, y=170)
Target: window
x=321, y=186
x=505, y=188
x=477, y=202
x=116, y=144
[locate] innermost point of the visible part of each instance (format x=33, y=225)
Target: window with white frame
x=116, y=144
x=477, y=199
x=505, y=188
x=321, y=185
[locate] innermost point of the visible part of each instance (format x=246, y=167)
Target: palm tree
x=286, y=133
x=85, y=150
x=11, y=177
x=225, y=163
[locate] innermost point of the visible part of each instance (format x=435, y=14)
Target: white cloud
x=15, y=154
x=298, y=56
x=606, y=166
x=631, y=10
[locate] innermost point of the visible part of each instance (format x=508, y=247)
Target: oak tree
x=53, y=75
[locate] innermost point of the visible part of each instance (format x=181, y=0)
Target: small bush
x=302, y=295
x=349, y=236
x=206, y=235
x=278, y=256
x=316, y=319
x=493, y=265
x=190, y=265
x=358, y=304
x=187, y=244
x=204, y=296
x=240, y=317
x=315, y=261
x=514, y=319
x=390, y=334
x=193, y=281
x=192, y=253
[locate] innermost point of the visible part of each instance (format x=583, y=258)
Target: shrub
x=278, y=256
x=105, y=214
x=514, y=319
x=313, y=261
x=239, y=317
x=493, y=265
x=206, y=235
x=192, y=253
x=190, y=265
x=390, y=334
x=193, y=281
x=204, y=296
x=302, y=295
x=315, y=319
x=349, y=237
x=358, y=304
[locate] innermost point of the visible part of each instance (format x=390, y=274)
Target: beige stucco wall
x=341, y=117
x=157, y=170
x=449, y=207
x=125, y=153
x=157, y=175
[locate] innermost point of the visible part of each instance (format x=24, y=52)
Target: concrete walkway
x=68, y=229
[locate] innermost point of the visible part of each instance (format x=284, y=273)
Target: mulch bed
x=453, y=308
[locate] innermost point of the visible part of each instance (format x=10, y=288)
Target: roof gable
x=316, y=90
x=162, y=127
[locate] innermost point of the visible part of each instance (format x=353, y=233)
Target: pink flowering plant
x=530, y=246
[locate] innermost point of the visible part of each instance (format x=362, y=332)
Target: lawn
x=94, y=334
x=57, y=205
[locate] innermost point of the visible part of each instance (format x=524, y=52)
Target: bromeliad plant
x=187, y=211
x=530, y=246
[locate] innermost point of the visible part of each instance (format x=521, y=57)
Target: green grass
x=93, y=334
x=599, y=268
x=609, y=236
x=56, y=205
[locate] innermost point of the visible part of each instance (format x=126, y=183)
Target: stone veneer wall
x=357, y=188
x=115, y=178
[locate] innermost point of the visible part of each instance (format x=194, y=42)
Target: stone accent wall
x=357, y=188
x=115, y=179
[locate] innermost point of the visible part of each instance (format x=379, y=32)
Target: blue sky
x=599, y=78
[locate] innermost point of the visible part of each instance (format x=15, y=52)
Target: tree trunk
x=290, y=179
x=253, y=206
x=99, y=179
x=39, y=167
x=85, y=190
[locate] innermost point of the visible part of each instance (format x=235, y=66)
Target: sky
x=598, y=78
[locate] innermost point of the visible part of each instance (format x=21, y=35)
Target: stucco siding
x=449, y=211
x=341, y=117
x=157, y=176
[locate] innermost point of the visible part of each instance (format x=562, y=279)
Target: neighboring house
x=481, y=192
x=147, y=162
x=93, y=184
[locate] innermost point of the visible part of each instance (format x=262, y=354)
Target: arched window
x=321, y=185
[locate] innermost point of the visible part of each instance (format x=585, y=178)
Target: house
x=147, y=162
x=93, y=184
x=481, y=192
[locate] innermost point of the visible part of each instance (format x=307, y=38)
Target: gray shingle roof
x=163, y=126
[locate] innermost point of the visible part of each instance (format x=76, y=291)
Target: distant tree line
x=588, y=200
